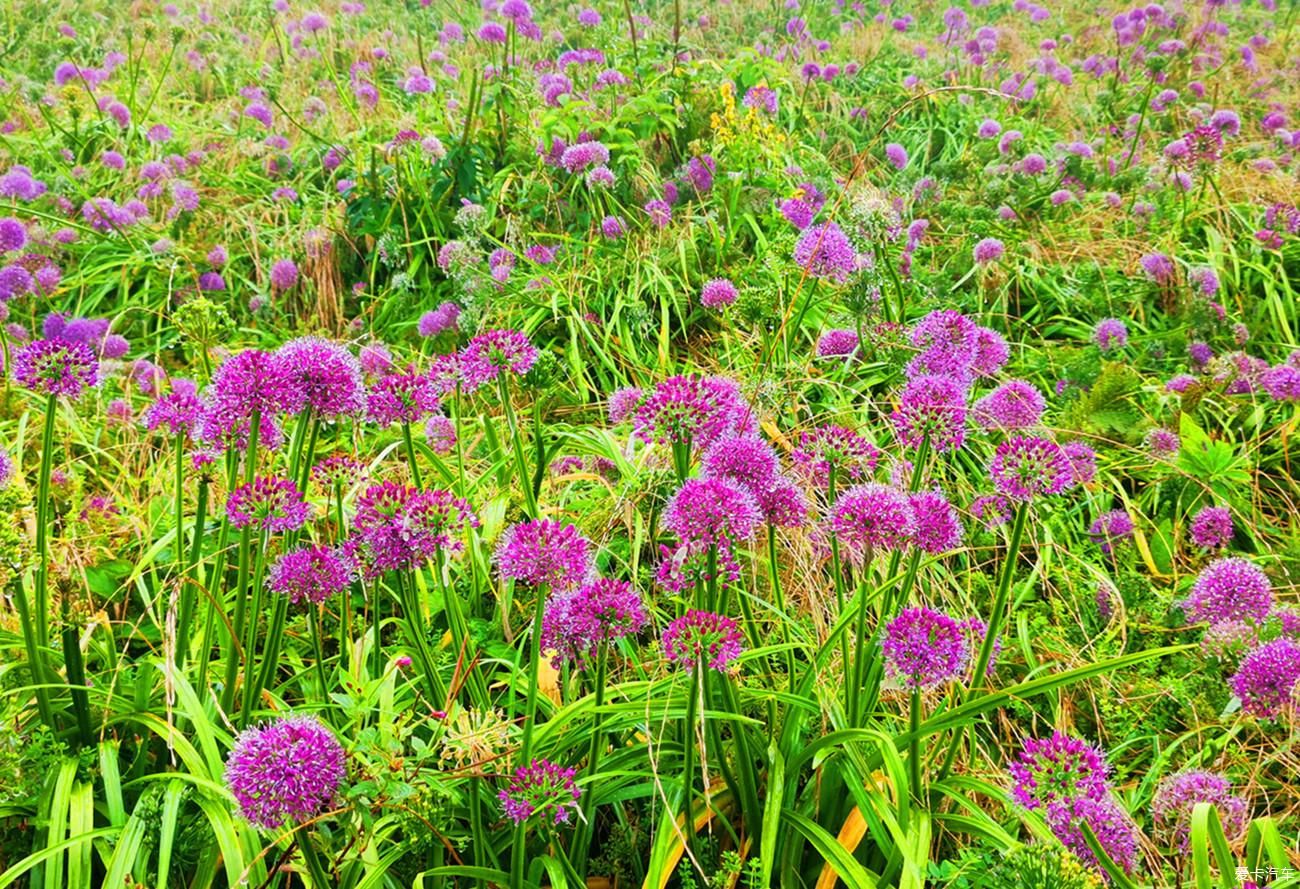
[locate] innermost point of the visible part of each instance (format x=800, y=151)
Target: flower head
x=284, y=274
x=541, y=788
x=840, y=343
x=988, y=250
x=868, y=519
x=828, y=449
x=712, y=511
x=703, y=637
x=322, y=376
x=931, y=407
x=824, y=251
x=1111, y=334
x=1212, y=527
x=1110, y=529
x=744, y=459
x=1267, y=677
x=1058, y=768
x=692, y=409
x=1026, y=467
x=178, y=411
x=937, y=529
x=1111, y=825
x=544, y=552
x=924, y=648
x=718, y=293
x=401, y=527
x=404, y=397
x=267, y=503
x=313, y=573
x=287, y=771
x=1177, y=795
x=1014, y=405
x=1229, y=589
x=56, y=367
x=487, y=355
x=576, y=621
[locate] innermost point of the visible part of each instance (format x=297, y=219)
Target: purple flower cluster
x=320, y=376
x=488, y=354
x=285, y=772
x=696, y=410
x=868, y=519
x=56, y=367
x=1110, y=334
x=544, y=552
x=936, y=526
x=439, y=320
x=1014, y=405
x=1177, y=795
x=703, y=637
x=712, y=512
x=401, y=527
x=838, y=343
x=541, y=788
x=267, y=503
x=312, y=573
x=834, y=449
x=1229, y=589
x=1026, y=467
x=718, y=293
x=579, y=620
x=932, y=407
x=1110, y=529
x=1211, y=528
x=950, y=344
x=405, y=397
x=1058, y=768
x=825, y=252
x=1266, y=679
x=925, y=648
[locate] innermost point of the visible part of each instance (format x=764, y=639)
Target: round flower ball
x=718, y=293
x=287, y=771
x=988, y=250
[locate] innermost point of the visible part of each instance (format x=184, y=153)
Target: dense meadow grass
x=662, y=444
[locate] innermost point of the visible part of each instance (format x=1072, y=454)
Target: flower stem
x=517, y=444
x=534, y=664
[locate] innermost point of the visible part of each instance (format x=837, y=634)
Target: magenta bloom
x=268, y=504
x=1014, y=405
x=439, y=320
x=177, y=411
x=828, y=449
x=703, y=637
x=868, y=519
x=824, y=251
x=401, y=527
x=1111, y=529
x=744, y=459
x=56, y=367
x=712, y=512
x=1083, y=462
x=1212, y=528
x=695, y=410
x=489, y=354
x=1267, y=677
x=924, y=648
x=839, y=343
x=937, y=528
x=284, y=274
x=931, y=407
x=287, y=771
x=993, y=510
x=406, y=397
x=624, y=402
x=990, y=352
x=576, y=621
x=660, y=213
x=718, y=293
x=1111, y=334
x=1177, y=795
x=948, y=344
x=1158, y=267
x=440, y=434
x=1026, y=467
x=544, y=552
x=311, y=573
x=783, y=504
x=1162, y=443
x=1229, y=589
x=541, y=788
x=248, y=382
x=1112, y=826
x=321, y=376
x=988, y=250
x=1058, y=768
x=896, y=155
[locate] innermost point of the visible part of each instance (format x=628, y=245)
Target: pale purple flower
x=285, y=772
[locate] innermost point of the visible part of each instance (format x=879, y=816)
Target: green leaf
x=845, y=865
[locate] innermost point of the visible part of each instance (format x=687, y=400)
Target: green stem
x=534, y=663
x=914, y=758
x=250, y=678
x=413, y=617
x=688, y=755
x=410, y=455
x=43, y=505
x=998, y=616
x=521, y=462
x=582, y=839
x=778, y=596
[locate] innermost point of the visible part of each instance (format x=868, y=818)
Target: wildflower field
x=649, y=443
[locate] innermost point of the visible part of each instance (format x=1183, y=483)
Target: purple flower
x=401, y=527
x=702, y=636
x=1229, y=589
x=797, y=212
x=937, y=529
x=6, y=469
x=1058, y=769
x=1212, y=527
x=612, y=228
x=870, y=518
x=691, y=409
x=1111, y=334
x=1161, y=442
x=284, y=274
x=251, y=381
x=623, y=403
x=896, y=155
x=839, y=343
x=576, y=621
x=401, y=398
x=321, y=376
x=544, y=552
x=1158, y=267
x=289, y=771
x=828, y=449
x=440, y=435
x=439, y=320
x=313, y=573
x=660, y=213
x=990, y=352
x=343, y=470
x=13, y=235
x=485, y=356
x=744, y=459
x=992, y=510
x=1112, y=826
x=931, y=407
x=824, y=252
x=541, y=788
x=1026, y=467
x=1111, y=529
x=988, y=250
x=1267, y=677
x=56, y=367
x=178, y=410
x=924, y=648
x=1177, y=795
x=712, y=512
x=717, y=293
x=581, y=155
x=267, y=503
x=1014, y=405
x=947, y=343
x=1282, y=382
x=783, y=504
